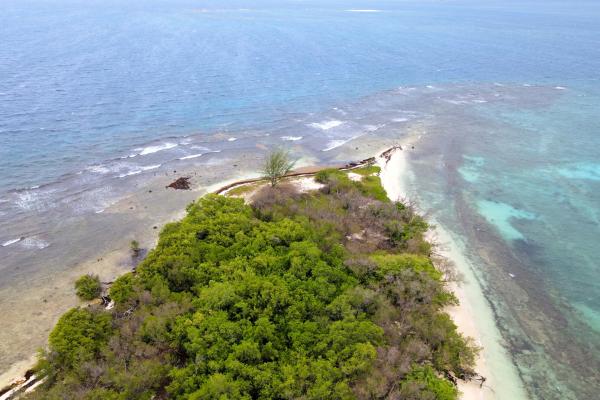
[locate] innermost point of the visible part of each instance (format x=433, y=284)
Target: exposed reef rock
x=182, y=183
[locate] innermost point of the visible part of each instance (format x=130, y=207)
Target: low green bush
x=423, y=383
x=370, y=186
x=78, y=337
x=88, y=287
x=122, y=289
x=367, y=170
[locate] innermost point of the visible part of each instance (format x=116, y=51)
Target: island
x=308, y=286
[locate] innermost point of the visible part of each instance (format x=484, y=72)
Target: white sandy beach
x=473, y=316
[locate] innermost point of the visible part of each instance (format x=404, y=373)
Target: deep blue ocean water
x=94, y=93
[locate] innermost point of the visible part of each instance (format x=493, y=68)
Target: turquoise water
x=518, y=180
x=99, y=97
x=501, y=215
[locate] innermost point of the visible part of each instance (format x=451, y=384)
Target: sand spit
x=473, y=316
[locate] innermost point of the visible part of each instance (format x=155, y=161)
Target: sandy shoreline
x=473, y=316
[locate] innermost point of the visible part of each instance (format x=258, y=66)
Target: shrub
x=122, y=289
x=78, y=337
x=134, y=246
x=371, y=186
x=268, y=197
x=367, y=170
x=423, y=383
x=88, y=287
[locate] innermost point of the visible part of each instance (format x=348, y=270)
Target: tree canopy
x=88, y=287
x=302, y=295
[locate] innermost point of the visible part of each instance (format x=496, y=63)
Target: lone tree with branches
x=277, y=165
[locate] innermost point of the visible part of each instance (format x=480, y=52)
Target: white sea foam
x=373, y=128
x=34, y=243
x=199, y=154
x=399, y=119
x=291, y=138
x=113, y=168
x=196, y=147
x=150, y=167
x=339, y=110
x=456, y=102
x=130, y=173
x=12, y=241
x=232, y=139
x=326, y=125
x=154, y=149
x=98, y=169
x=335, y=143
x=139, y=170
x=26, y=200
x=34, y=200
x=191, y=156
x=363, y=11
x=100, y=206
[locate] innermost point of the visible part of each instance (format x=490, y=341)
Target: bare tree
x=277, y=165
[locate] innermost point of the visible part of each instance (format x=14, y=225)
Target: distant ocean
x=99, y=97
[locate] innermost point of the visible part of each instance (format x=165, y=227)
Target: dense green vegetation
x=323, y=295
x=338, y=182
x=88, y=287
x=367, y=170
